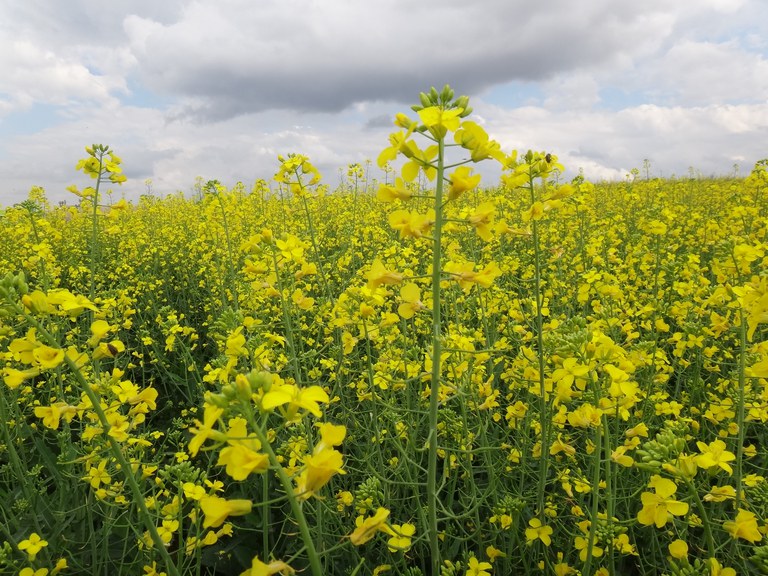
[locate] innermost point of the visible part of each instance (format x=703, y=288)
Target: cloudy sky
x=217, y=89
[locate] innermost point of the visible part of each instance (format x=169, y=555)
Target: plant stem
x=434, y=394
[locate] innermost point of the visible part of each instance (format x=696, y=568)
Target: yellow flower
x=167, y=530
x=366, y=528
x=14, y=378
x=494, y=553
x=744, y=527
x=716, y=570
x=204, y=429
x=51, y=415
x=439, y=121
x=379, y=275
x=477, y=568
x=537, y=531
x=32, y=545
x=308, y=399
x=715, y=455
x=98, y=475
x=411, y=296
x=412, y=224
x=241, y=461
x=318, y=469
x=535, y=212
x=678, y=549
x=720, y=494
x=585, y=416
x=464, y=274
x=216, y=510
x=397, y=191
x=658, y=506
x=482, y=220
x=259, y=568
x=581, y=544
x=401, y=537
x=462, y=181
x=47, y=357
x=32, y=572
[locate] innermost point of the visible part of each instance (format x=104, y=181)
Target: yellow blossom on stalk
x=561, y=445
x=659, y=506
x=397, y=141
x=108, y=349
x=47, y=357
x=494, y=553
x=397, y=191
x=70, y=304
x=411, y=297
x=753, y=299
x=27, y=571
x=570, y=371
x=167, y=530
x=216, y=510
x=296, y=398
x=419, y=160
x=259, y=568
x=477, y=568
x=473, y=137
x=656, y=228
x=538, y=531
x=744, y=526
x=585, y=416
x=619, y=455
x=401, y=537
x=193, y=491
x=412, y=224
x=462, y=181
x=23, y=349
x=301, y=301
x=51, y=415
x=582, y=545
x=720, y=494
x=324, y=462
x=481, y=220
x=204, y=430
x=379, y=275
x=439, y=121
x=32, y=545
x=535, y=212
x=714, y=455
x=464, y=274
x=366, y=528
x=678, y=549
x=242, y=457
x=14, y=378
x=717, y=570
x=99, y=329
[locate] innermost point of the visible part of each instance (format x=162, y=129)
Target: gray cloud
x=236, y=57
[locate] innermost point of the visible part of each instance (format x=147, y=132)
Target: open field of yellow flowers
x=420, y=376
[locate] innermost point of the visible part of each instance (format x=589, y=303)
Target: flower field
x=415, y=373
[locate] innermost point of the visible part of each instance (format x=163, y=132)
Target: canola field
x=415, y=373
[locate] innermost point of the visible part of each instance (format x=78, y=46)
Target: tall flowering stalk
x=439, y=115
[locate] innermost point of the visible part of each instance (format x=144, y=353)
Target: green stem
x=741, y=416
x=543, y=405
x=95, y=226
x=595, y=499
x=434, y=394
